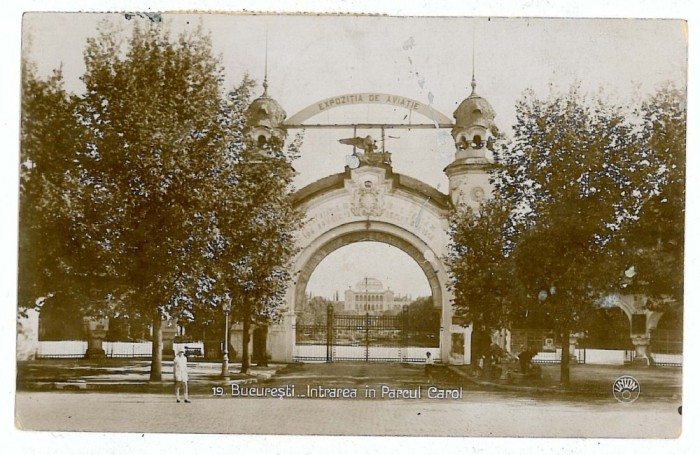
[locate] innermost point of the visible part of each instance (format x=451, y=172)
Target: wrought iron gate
x=369, y=338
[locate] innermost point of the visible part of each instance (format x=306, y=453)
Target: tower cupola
x=474, y=127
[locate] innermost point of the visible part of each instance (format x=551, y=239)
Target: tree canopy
x=145, y=192
x=48, y=259
x=651, y=250
x=483, y=290
x=573, y=195
x=252, y=225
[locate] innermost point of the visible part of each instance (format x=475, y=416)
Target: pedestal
x=28, y=336
x=641, y=350
x=96, y=333
x=169, y=331
x=95, y=339
x=572, y=349
x=279, y=342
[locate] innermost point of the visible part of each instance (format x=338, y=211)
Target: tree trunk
x=564, y=365
x=157, y=349
x=263, y=349
x=245, y=354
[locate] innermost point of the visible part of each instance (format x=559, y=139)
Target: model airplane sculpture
x=364, y=143
x=370, y=157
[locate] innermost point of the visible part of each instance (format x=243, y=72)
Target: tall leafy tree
x=480, y=272
x=252, y=225
x=313, y=310
x=578, y=177
x=47, y=256
x=574, y=179
x=652, y=248
x=151, y=112
x=422, y=315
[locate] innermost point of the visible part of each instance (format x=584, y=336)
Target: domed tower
x=265, y=121
x=473, y=134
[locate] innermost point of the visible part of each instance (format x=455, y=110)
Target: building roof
x=369, y=285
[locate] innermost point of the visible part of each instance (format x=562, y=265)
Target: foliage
x=150, y=111
x=484, y=290
x=251, y=235
x=577, y=179
x=251, y=224
x=150, y=125
x=577, y=176
x=48, y=259
x=652, y=248
x=423, y=315
x=147, y=194
x=313, y=311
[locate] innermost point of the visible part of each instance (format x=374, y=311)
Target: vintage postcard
x=351, y=225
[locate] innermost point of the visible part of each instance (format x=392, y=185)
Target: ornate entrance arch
x=438, y=118
x=377, y=232
x=372, y=203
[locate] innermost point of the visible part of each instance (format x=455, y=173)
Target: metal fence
x=658, y=359
x=368, y=338
x=113, y=349
x=554, y=357
x=61, y=349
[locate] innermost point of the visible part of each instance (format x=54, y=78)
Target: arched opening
x=372, y=273
x=667, y=337
x=607, y=328
x=368, y=296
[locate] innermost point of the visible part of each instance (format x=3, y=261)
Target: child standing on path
x=180, y=373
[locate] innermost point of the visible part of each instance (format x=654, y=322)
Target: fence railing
x=113, y=349
x=120, y=349
x=659, y=359
x=551, y=357
x=61, y=349
x=668, y=360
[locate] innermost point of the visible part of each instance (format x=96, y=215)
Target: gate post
x=367, y=337
x=404, y=333
x=329, y=333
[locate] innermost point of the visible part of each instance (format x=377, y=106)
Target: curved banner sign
x=436, y=117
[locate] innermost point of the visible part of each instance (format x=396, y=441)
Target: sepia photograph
x=351, y=225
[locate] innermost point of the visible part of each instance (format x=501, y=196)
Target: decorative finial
x=473, y=58
x=265, y=79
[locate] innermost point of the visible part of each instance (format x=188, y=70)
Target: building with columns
x=369, y=296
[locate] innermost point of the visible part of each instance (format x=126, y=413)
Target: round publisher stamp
x=626, y=389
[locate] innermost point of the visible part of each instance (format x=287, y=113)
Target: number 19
x=217, y=391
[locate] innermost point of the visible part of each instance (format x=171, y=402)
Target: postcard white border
x=70, y=443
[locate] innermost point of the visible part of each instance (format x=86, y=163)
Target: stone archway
x=368, y=200
x=389, y=234
x=371, y=203
x=377, y=233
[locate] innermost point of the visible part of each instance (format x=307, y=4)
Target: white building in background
x=369, y=296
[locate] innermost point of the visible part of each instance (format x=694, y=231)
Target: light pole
x=224, y=365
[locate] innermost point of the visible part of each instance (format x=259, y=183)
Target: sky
x=350, y=264
x=431, y=60
x=311, y=58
